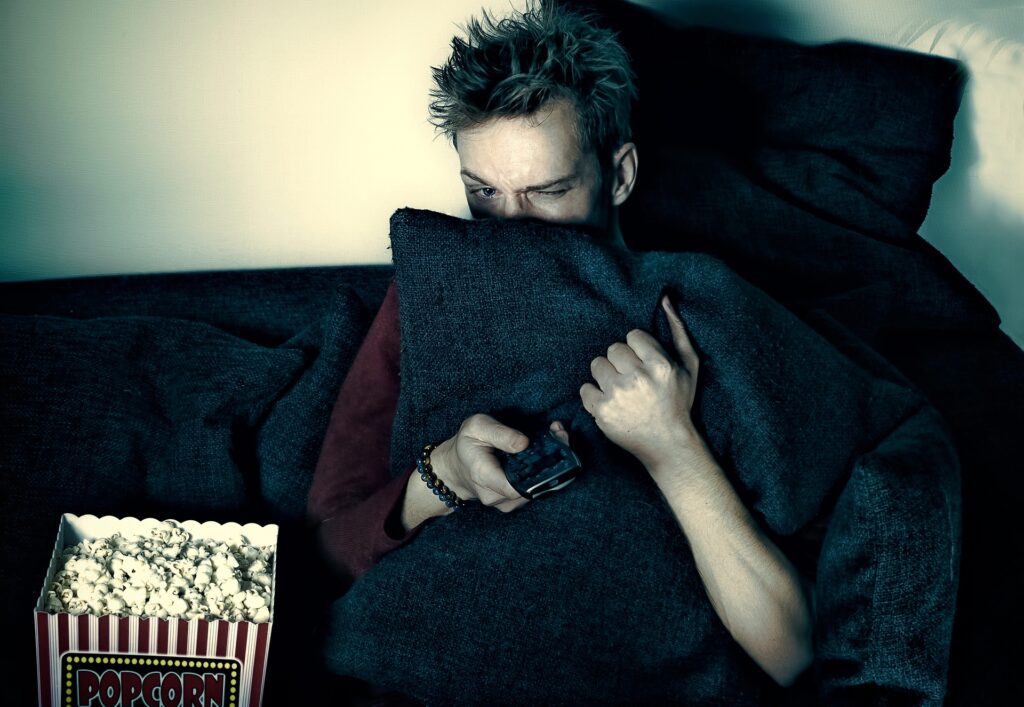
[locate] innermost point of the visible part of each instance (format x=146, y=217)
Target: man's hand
x=466, y=463
x=643, y=398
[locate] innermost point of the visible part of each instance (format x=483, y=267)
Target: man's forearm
x=753, y=587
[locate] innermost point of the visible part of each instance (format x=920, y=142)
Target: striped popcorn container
x=136, y=661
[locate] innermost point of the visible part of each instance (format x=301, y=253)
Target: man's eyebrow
x=536, y=187
x=473, y=176
x=553, y=182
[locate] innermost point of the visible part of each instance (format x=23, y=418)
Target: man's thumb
x=493, y=433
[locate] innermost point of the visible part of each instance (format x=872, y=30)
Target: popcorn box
x=87, y=660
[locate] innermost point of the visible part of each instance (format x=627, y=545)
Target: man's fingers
x=488, y=430
x=512, y=504
x=602, y=370
x=490, y=480
x=623, y=357
x=490, y=498
x=646, y=346
x=680, y=337
x=591, y=395
x=559, y=429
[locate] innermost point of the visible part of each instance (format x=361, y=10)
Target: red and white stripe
x=57, y=634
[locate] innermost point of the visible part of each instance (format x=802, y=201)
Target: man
x=537, y=107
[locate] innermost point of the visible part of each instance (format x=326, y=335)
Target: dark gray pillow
x=592, y=595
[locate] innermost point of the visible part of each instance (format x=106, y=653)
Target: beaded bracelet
x=444, y=494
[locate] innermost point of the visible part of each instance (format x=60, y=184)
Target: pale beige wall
x=154, y=135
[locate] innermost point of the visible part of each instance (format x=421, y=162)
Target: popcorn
x=166, y=574
x=76, y=606
x=53, y=603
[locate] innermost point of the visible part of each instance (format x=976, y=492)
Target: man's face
x=532, y=167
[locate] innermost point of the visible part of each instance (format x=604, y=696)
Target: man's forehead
x=524, y=149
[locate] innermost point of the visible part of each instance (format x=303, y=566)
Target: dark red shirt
x=353, y=499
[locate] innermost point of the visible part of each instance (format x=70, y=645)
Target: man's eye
x=486, y=192
x=557, y=192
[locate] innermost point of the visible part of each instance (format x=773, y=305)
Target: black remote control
x=546, y=465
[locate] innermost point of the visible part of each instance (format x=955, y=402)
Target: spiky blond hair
x=513, y=66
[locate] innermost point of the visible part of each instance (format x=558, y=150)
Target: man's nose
x=514, y=207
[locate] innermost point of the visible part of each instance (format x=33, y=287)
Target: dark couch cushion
x=266, y=307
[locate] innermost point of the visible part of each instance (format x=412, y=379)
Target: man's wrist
x=420, y=503
x=700, y=494
x=691, y=460
x=442, y=469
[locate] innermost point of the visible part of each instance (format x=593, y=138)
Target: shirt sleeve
x=353, y=500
